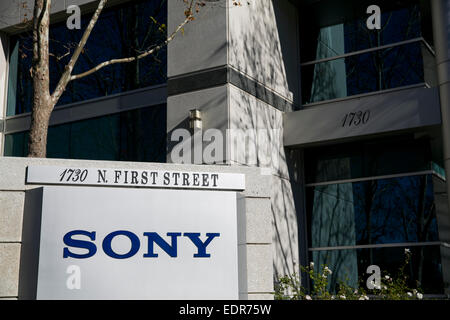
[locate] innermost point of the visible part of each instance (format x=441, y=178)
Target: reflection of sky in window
x=119, y=32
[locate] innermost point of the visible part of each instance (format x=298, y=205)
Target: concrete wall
x=254, y=214
x=263, y=44
x=257, y=140
x=258, y=42
x=3, y=85
x=202, y=44
x=212, y=102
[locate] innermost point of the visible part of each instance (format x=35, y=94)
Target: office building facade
x=348, y=124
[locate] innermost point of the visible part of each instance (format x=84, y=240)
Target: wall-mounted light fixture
x=195, y=119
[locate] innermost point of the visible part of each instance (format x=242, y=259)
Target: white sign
x=122, y=243
x=135, y=178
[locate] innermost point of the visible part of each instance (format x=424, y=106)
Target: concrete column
x=239, y=65
x=195, y=61
x=263, y=53
x=441, y=24
x=3, y=86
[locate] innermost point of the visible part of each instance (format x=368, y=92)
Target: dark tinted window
x=367, y=159
x=122, y=31
x=137, y=135
x=395, y=210
x=331, y=28
x=424, y=269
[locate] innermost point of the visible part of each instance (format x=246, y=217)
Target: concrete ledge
x=13, y=172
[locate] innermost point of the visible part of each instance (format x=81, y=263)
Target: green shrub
x=390, y=288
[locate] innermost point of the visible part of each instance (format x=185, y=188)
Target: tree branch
x=130, y=59
x=65, y=78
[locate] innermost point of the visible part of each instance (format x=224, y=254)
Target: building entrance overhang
x=381, y=113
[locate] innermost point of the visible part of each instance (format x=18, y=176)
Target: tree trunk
x=42, y=101
x=37, y=143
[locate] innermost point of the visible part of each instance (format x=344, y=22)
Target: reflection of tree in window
x=377, y=70
x=424, y=212
x=121, y=31
x=378, y=211
x=396, y=211
x=388, y=68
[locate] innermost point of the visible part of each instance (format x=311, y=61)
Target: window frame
x=81, y=110
x=406, y=245
x=421, y=39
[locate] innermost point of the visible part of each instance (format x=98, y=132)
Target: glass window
x=379, y=211
x=331, y=29
x=424, y=270
x=370, y=158
x=343, y=218
x=136, y=135
x=366, y=202
x=377, y=70
x=121, y=31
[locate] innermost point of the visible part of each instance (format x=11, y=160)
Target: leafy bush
x=389, y=288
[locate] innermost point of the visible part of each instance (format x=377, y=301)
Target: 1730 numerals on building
x=356, y=118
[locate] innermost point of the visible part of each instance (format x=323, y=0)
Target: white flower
x=419, y=295
x=409, y=294
x=311, y=265
x=407, y=251
x=366, y=298
x=307, y=297
x=333, y=297
x=384, y=287
x=386, y=277
x=361, y=298
x=327, y=270
x=342, y=297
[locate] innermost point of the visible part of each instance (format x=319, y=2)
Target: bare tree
x=44, y=101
